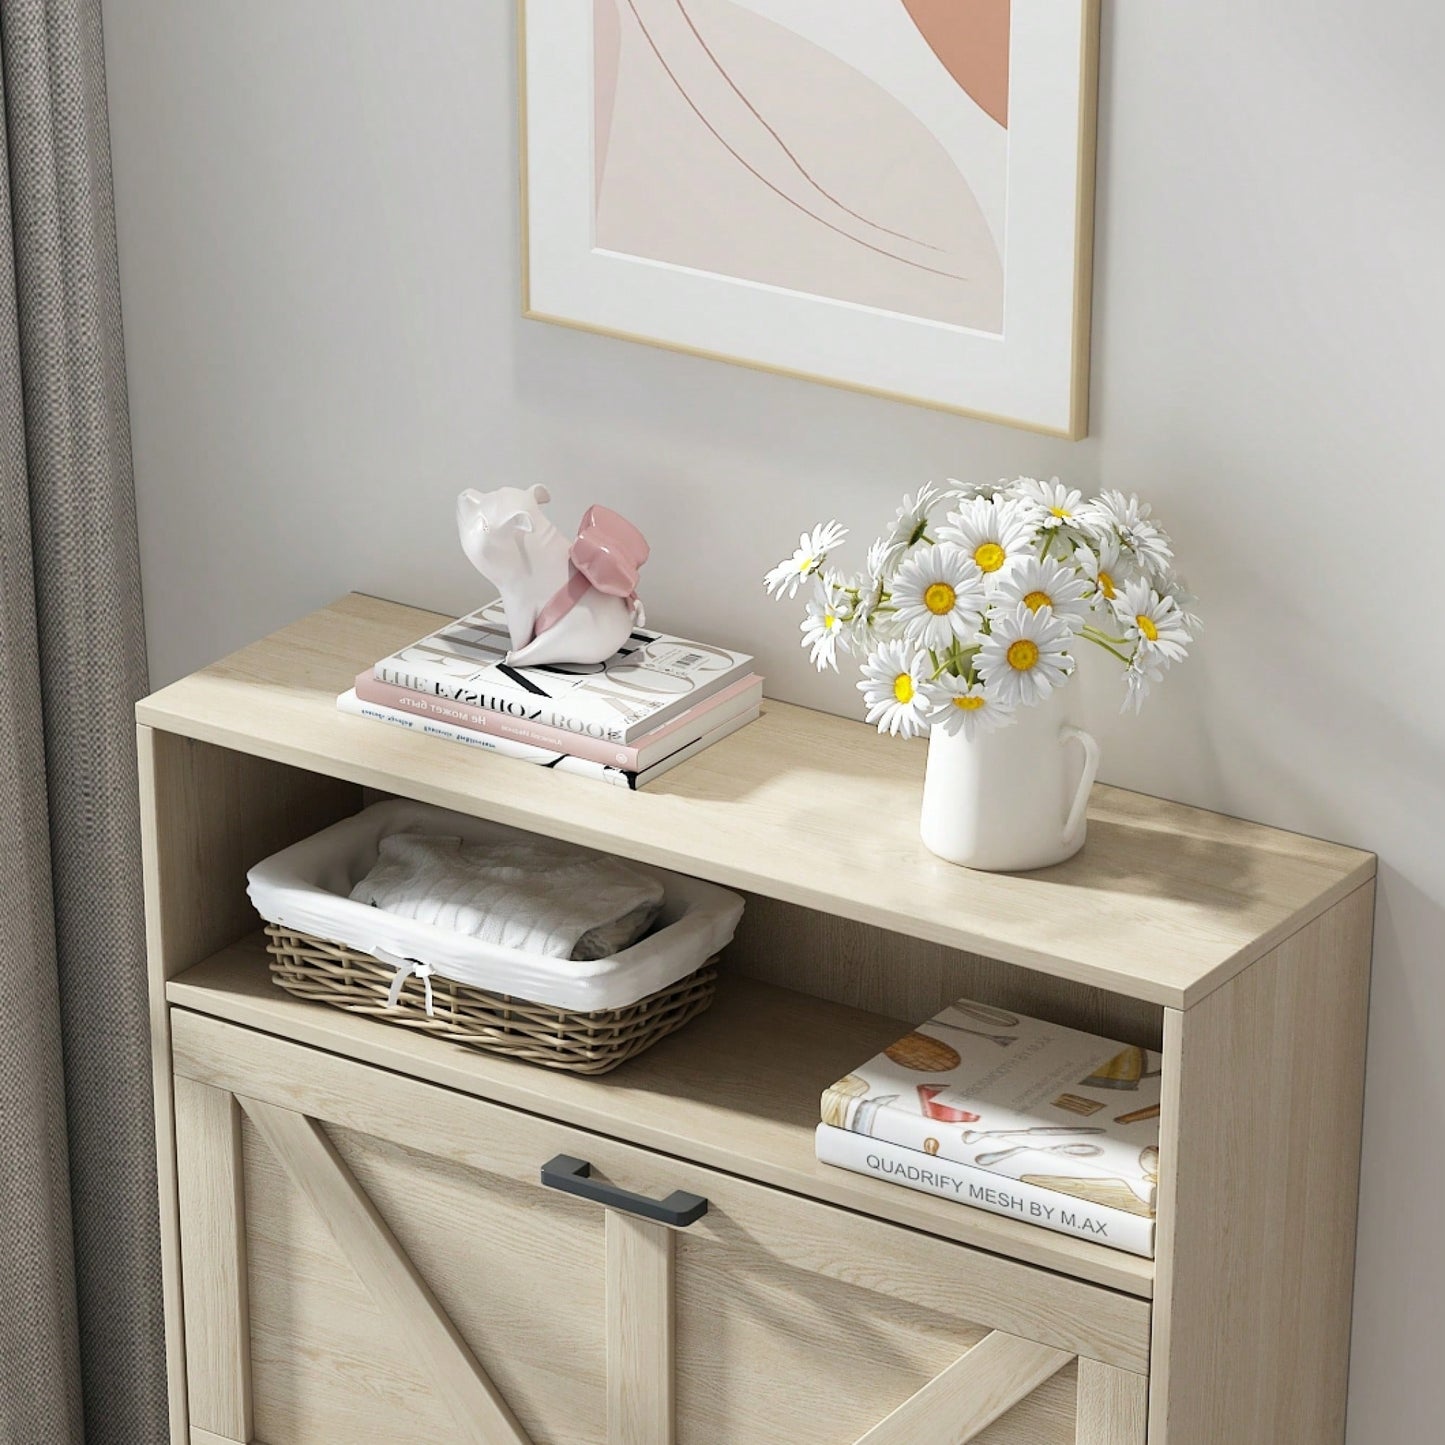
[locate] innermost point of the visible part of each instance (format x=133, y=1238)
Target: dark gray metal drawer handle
x=574, y=1176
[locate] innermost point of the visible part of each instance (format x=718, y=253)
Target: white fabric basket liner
x=305, y=887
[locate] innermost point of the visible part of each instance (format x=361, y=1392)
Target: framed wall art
x=893, y=196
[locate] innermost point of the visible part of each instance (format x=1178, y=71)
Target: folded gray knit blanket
x=535, y=894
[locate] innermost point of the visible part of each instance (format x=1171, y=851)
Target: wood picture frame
x=896, y=200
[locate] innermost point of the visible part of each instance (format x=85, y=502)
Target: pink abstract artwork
x=889, y=195
x=854, y=152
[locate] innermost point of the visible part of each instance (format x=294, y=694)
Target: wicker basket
x=556, y=1038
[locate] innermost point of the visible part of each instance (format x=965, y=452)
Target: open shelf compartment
x=737, y=1090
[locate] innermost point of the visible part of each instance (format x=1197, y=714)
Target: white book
x=348, y=702
x=650, y=680
x=1019, y=1097
x=1116, y=1228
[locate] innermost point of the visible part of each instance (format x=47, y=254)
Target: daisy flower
x=1140, y=674
x=1112, y=511
x=893, y=686
x=991, y=532
x=911, y=520
x=1025, y=656
x=824, y=628
x=1107, y=568
x=938, y=596
x=1058, y=505
x=860, y=597
x=1153, y=624
x=966, y=491
x=1037, y=582
x=882, y=561
x=966, y=707
x=1186, y=602
x=1127, y=518
x=813, y=548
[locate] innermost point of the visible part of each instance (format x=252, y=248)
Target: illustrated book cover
x=1016, y=1097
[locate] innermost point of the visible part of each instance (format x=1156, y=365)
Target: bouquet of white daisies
x=975, y=601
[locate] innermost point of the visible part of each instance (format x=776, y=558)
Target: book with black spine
x=651, y=679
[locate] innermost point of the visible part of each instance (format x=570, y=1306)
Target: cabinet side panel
x=1263, y=1098
x=207, y=814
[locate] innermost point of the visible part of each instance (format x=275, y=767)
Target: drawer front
x=371, y=1258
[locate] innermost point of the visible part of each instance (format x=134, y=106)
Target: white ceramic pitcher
x=1012, y=799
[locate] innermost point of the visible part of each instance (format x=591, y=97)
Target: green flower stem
x=1096, y=634
x=1099, y=641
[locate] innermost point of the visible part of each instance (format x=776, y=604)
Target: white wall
x=318, y=231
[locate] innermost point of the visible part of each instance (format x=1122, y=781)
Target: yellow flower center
x=1147, y=627
x=903, y=687
x=1023, y=654
x=1035, y=600
x=989, y=556
x=939, y=598
x=1106, y=585
x=1059, y=512
x=968, y=704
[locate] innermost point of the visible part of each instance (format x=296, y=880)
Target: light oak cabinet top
x=1165, y=903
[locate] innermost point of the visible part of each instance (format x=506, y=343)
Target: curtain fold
x=81, y=1340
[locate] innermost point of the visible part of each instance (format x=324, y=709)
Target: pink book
x=650, y=748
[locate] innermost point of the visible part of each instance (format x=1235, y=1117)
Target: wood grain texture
x=959, y=1404
x=769, y=1349
x=208, y=1437
x=640, y=1397
x=838, y=1244
x=738, y=1090
x=1113, y=1405
x=478, y=1411
x=1262, y=1103
x=156, y=753
x=207, y=814
x=1164, y=904
x=519, y=1275
x=213, y=1242
x=909, y=978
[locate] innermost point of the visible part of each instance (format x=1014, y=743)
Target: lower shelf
x=736, y=1090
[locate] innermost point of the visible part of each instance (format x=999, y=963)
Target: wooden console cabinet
x=360, y=1246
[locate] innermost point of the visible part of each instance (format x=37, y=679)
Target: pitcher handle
x=1086, y=778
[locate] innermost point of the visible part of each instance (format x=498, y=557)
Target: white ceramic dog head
x=492, y=524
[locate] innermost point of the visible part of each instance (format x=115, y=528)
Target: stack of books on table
x=1046, y=1124
x=656, y=702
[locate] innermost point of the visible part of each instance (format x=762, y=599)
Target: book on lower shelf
x=1012, y=1114
x=652, y=679
x=927, y=1173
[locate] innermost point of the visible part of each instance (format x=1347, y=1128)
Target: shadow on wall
x=1402, y=1177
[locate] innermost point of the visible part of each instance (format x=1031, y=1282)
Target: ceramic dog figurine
x=566, y=601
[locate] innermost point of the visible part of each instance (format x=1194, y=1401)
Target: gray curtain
x=81, y=1350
